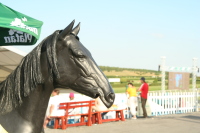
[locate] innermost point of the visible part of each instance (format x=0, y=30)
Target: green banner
x=17, y=28
x=15, y=37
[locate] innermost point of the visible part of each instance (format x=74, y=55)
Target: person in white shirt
x=99, y=105
x=53, y=107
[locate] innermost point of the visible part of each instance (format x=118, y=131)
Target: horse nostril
x=96, y=95
x=111, y=97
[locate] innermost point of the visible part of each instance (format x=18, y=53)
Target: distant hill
x=117, y=71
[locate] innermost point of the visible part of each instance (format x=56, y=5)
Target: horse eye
x=81, y=56
x=78, y=55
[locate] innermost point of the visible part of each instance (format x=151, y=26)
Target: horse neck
x=34, y=107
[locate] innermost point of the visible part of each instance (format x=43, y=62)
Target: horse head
x=77, y=68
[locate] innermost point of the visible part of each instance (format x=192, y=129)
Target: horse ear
x=76, y=29
x=67, y=30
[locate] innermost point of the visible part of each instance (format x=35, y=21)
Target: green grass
x=123, y=89
x=151, y=88
x=119, y=89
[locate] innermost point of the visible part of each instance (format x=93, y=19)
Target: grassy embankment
x=127, y=75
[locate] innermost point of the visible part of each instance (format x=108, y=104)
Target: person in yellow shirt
x=132, y=99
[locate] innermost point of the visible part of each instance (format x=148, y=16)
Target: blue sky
x=128, y=33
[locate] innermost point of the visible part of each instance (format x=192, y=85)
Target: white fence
x=158, y=103
x=173, y=102
x=164, y=103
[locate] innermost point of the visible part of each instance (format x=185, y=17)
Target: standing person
x=144, y=88
x=52, y=109
x=132, y=99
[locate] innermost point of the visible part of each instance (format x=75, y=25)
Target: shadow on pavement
x=192, y=117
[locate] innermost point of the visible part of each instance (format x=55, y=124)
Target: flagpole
x=163, y=73
x=194, y=73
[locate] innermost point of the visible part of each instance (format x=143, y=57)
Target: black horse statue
x=59, y=61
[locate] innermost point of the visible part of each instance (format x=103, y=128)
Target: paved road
x=181, y=123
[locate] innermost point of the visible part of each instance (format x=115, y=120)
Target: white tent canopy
x=10, y=58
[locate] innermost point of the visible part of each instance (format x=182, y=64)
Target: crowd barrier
x=158, y=103
x=173, y=102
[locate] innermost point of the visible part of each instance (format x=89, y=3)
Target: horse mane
x=27, y=75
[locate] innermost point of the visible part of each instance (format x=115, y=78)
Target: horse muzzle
x=107, y=99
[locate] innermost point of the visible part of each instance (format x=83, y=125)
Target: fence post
x=156, y=101
x=190, y=101
x=173, y=102
x=196, y=99
x=177, y=102
x=163, y=67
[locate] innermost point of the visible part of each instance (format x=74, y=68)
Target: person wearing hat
x=72, y=111
x=71, y=97
x=144, y=88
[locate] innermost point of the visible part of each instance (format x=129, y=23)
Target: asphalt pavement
x=178, y=123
